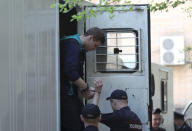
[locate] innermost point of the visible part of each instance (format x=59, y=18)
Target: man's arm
x=80, y=83
x=70, y=60
x=109, y=119
x=98, y=88
x=86, y=92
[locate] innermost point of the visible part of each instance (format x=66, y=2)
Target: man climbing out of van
x=72, y=56
x=122, y=118
x=180, y=124
x=157, y=120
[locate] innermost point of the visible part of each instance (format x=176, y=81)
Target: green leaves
x=78, y=16
x=103, y=6
x=188, y=55
x=188, y=10
x=177, y=3
x=165, y=5
x=108, y=6
x=159, y=6
x=188, y=48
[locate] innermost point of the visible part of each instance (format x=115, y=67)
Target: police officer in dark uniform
x=157, y=120
x=72, y=54
x=122, y=118
x=180, y=124
x=91, y=116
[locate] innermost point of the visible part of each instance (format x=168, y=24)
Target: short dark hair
x=98, y=34
x=156, y=111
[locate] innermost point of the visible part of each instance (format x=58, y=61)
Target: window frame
x=164, y=88
x=137, y=50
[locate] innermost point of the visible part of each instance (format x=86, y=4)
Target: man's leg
x=70, y=114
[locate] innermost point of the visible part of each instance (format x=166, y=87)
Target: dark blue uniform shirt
x=184, y=127
x=91, y=128
x=122, y=120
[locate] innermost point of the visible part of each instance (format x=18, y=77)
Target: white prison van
x=162, y=92
x=162, y=96
x=30, y=67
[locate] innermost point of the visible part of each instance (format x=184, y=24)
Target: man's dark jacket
x=71, y=61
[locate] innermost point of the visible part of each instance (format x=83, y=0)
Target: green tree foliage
x=188, y=55
x=102, y=6
x=163, y=5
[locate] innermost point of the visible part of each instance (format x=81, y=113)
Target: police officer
x=72, y=49
x=91, y=116
x=122, y=118
x=157, y=120
x=180, y=124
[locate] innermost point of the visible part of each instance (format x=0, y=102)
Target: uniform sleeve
x=116, y=121
x=187, y=128
x=70, y=51
x=109, y=119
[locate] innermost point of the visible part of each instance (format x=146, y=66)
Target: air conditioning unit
x=172, y=50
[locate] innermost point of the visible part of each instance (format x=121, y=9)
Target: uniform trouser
x=71, y=108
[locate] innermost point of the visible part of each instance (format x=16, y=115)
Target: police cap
x=91, y=111
x=118, y=94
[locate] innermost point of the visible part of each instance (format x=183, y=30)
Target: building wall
x=174, y=22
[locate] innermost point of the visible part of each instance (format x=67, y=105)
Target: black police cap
x=178, y=115
x=118, y=94
x=91, y=111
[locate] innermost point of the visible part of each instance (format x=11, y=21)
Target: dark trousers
x=71, y=108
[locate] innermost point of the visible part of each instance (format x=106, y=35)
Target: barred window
x=120, y=52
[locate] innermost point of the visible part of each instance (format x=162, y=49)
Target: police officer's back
x=180, y=124
x=122, y=119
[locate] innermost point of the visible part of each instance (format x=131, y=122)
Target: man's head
x=91, y=114
x=156, y=118
x=93, y=38
x=178, y=119
x=118, y=99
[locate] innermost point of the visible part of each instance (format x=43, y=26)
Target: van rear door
x=123, y=62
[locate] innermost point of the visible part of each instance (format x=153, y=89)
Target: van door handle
x=116, y=50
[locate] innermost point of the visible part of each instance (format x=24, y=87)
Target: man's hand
x=88, y=94
x=98, y=85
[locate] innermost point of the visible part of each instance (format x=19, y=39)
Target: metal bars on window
x=120, y=53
